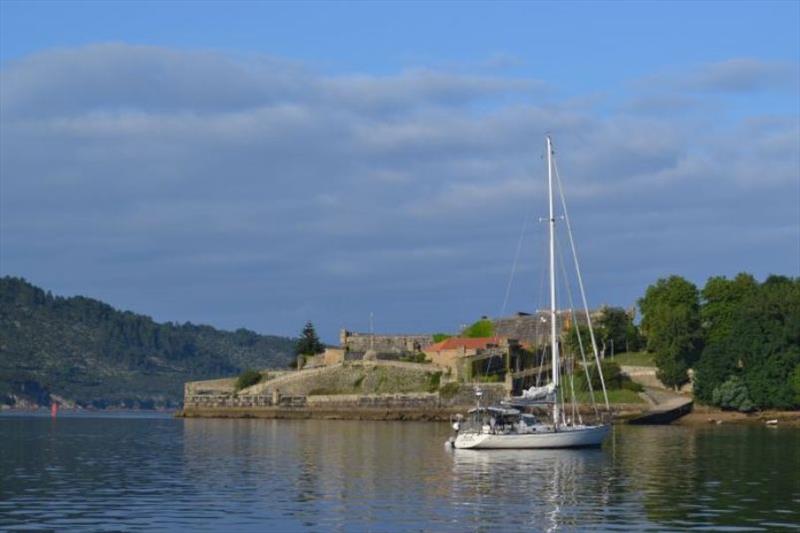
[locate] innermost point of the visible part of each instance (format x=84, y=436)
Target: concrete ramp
x=666, y=407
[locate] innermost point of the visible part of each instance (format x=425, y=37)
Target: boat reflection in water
x=543, y=489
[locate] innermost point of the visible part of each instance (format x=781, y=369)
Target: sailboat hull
x=578, y=437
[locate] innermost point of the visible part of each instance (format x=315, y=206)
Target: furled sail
x=540, y=393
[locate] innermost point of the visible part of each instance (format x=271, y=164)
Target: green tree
x=309, y=343
x=794, y=382
x=612, y=329
x=571, y=340
x=754, y=337
x=722, y=301
x=767, y=333
x=481, y=328
x=671, y=324
x=633, y=339
x=717, y=363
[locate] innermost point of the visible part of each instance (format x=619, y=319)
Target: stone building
x=533, y=329
x=383, y=344
x=469, y=358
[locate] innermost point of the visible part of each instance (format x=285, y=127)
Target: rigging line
x=560, y=393
x=514, y=264
x=580, y=285
x=576, y=414
x=585, y=364
x=540, y=303
x=566, y=368
x=539, y=324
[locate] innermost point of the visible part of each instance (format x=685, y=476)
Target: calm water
x=150, y=472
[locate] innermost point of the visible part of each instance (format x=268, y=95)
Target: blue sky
x=260, y=164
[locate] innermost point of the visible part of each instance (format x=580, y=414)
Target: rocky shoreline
x=621, y=412
x=704, y=415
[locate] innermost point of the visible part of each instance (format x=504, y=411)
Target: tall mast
x=553, y=328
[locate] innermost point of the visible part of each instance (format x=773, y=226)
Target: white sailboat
x=508, y=426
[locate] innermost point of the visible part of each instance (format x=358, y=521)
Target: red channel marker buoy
x=53, y=409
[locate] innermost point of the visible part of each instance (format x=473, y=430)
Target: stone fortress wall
x=372, y=390
x=399, y=344
x=534, y=329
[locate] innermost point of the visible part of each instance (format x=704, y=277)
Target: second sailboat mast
x=553, y=328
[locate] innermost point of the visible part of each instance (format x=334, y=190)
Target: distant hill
x=87, y=352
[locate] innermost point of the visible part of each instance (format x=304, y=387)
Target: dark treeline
x=86, y=351
x=741, y=337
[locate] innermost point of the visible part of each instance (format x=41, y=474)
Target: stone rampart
x=356, y=377
x=381, y=401
x=226, y=385
x=407, y=406
x=383, y=343
x=380, y=390
x=234, y=401
x=209, y=387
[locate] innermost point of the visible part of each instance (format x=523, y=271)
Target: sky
x=262, y=164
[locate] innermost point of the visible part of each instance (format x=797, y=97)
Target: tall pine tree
x=309, y=343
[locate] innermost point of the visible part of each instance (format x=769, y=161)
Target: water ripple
x=134, y=473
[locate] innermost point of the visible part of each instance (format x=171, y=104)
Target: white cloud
x=736, y=75
x=149, y=167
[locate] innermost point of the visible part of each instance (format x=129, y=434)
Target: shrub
x=631, y=385
x=481, y=328
x=433, y=381
x=439, y=337
x=448, y=390
x=732, y=395
x=248, y=378
x=612, y=374
x=418, y=357
x=323, y=391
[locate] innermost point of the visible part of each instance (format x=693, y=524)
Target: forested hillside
x=87, y=352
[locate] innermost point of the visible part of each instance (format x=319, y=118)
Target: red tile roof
x=454, y=343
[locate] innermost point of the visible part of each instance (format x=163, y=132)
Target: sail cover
x=540, y=393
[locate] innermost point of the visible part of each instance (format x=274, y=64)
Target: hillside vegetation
x=741, y=337
x=87, y=352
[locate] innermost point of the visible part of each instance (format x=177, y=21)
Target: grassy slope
x=614, y=396
x=634, y=359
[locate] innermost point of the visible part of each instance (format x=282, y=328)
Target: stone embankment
x=377, y=390
x=409, y=406
x=705, y=415
x=401, y=406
